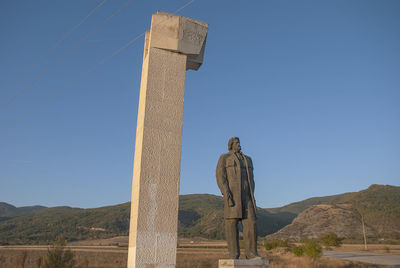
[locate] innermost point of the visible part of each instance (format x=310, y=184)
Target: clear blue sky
x=312, y=88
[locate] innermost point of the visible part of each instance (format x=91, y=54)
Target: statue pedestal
x=242, y=263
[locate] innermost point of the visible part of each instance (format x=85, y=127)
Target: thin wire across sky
x=59, y=60
x=58, y=43
x=84, y=74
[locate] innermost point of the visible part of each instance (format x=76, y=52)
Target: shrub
x=59, y=257
x=330, y=240
x=298, y=250
x=275, y=244
x=312, y=249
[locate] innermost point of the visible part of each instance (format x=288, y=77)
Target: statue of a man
x=236, y=181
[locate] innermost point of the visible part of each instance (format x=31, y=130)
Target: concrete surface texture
x=173, y=45
x=242, y=263
x=373, y=258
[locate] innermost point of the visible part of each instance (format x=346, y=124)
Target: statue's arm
x=252, y=173
x=221, y=177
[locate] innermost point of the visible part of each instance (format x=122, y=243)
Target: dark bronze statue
x=236, y=181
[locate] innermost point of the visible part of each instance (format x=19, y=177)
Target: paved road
x=383, y=259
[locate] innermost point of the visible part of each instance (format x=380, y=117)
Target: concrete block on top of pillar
x=173, y=45
x=180, y=34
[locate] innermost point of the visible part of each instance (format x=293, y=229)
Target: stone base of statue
x=243, y=263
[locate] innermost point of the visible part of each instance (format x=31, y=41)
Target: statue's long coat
x=229, y=178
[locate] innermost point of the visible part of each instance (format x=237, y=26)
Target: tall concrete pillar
x=173, y=45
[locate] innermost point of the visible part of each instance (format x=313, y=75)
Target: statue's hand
x=231, y=203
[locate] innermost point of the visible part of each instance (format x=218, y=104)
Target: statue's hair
x=230, y=142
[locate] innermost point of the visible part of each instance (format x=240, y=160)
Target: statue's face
x=236, y=146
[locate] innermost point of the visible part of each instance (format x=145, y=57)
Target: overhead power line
x=53, y=47
x=64, y=55
x=62, y=89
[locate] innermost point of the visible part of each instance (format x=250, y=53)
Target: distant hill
x=298, y=207
x=6, y=208
x=379, y=205
x=10, y=210
x=42, y=226
x=203, y=215
x=200, y=215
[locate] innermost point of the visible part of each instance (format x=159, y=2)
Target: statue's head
x=234, y=145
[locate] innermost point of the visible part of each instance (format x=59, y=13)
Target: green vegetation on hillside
x=45, y=225
x=200, y=215
x=7, y=209
x=379, y=205
x=203, y=216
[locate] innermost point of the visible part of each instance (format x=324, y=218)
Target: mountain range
x=201, y=215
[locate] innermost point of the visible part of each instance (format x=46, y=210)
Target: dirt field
x=190, y=254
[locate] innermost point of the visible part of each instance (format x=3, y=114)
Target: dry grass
x=196, y=261
x=190, y=255
x=373, y=248
x=283, y=258
x=278, y=258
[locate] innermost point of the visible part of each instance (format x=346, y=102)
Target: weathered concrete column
x=173, y=45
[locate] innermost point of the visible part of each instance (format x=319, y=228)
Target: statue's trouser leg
x=250, y=233
x=232, y=237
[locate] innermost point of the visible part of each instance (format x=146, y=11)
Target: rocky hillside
x=379, y=206
x=319, y=219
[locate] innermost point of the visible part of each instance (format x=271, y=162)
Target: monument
x=173, y=45
x=235, y=179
